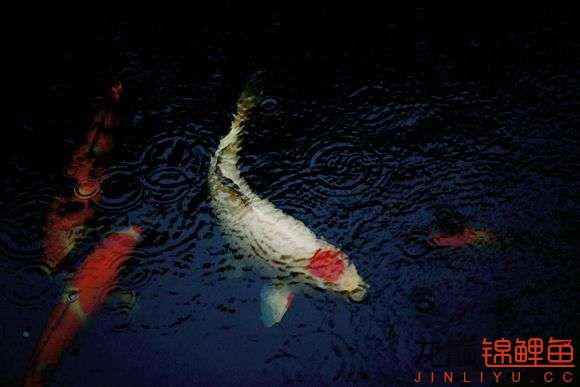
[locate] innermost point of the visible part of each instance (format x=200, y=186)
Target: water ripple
x=333, y=169
x=167, y=184
x=122, y=190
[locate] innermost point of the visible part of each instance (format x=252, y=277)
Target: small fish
x=282, y=247
x=69, y=213
x=82, y=298
x=468, y=236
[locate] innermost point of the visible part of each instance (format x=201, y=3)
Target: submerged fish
x=282, y=247
x=468, y=236
x=69, y=213
x=83, y=297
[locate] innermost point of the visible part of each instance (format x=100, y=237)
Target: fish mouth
x=358, y=294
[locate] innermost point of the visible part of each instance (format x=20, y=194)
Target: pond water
x=376, y=134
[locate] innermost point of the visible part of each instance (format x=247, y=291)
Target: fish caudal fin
x=276, y=299
x=224, y=163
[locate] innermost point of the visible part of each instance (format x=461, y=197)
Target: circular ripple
x=448, y=220
x=177, y=149
x=138, y=278
x=21, y=225
x=18, y=246
x=28, y=286
x=345, y=168
x=424, y=300
x=167, y=184
x=416, y=244
x=121, y=191
x=87, y=190
x=119, y=301
x=138, y=273
x=269, y=106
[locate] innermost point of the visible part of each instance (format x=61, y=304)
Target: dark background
x=375, y=122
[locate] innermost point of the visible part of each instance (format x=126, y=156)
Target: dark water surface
x=375, y=127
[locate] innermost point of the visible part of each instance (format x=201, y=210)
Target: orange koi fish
x=68, y=214
x=82, y=298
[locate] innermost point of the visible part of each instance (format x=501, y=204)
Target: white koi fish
x=283, y=249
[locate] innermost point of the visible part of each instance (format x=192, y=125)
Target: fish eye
x=72, y=296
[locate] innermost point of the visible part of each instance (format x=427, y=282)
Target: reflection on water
x=374, y=160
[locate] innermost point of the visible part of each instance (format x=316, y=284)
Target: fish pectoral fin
x=276, y=299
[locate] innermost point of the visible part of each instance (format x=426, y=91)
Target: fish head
x=351, y=284
x=334, y=271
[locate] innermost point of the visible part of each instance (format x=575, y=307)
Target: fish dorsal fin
x=276, y=299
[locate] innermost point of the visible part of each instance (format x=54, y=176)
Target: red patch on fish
x=326, y=264
x=98, y=273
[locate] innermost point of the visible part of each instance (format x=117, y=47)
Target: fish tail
x=230, y=144
x=224, y=163
x=59, y=333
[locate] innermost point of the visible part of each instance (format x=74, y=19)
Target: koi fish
x=287, y=252
x=68, y=214
x=468, y=236
x=82, y=298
